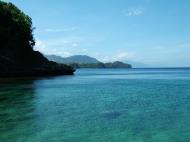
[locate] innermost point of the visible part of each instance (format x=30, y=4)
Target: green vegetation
x=17, y=56
x=15, y=32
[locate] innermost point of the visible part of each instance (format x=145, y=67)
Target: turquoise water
x=98, y=105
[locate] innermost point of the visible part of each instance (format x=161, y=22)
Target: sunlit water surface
x=98, y=105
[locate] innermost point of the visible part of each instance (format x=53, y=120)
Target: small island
x=17, y=57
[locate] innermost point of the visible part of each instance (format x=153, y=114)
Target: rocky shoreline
x=7, y=69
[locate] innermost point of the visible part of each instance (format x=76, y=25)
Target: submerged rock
x=111, y=114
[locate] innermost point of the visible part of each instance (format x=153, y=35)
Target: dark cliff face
x=17, y=57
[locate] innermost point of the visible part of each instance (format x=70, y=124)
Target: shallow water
x=98, y=105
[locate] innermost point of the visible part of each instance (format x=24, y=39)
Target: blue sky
x=154, y=32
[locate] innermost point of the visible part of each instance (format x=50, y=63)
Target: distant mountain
x=83, y=61
x=79, y=59
x=117, y=64
x=55, y=58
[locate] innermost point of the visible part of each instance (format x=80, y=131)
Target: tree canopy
x=17, y=57
x=15, y=27
x=16, y=35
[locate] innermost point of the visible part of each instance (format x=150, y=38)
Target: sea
x=98, y=105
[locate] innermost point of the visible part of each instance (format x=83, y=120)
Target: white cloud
x=84, y=50
x=63, y=46
x=134, y=11
x=67, y=45
x=39, y=45
x=106, y=58
x=122, y=56
x=74, y=44
x=55, y=30
x=45, y=49
x=63, y=42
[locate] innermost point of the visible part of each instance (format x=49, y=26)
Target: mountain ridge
x=73, y=59
x=84, y=61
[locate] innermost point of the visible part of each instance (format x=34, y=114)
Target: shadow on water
x=25, y=111
x=17, y=98
x=111, y=114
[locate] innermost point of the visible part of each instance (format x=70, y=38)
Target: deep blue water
x=98, y=105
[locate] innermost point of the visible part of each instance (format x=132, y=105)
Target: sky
x=153, y=32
